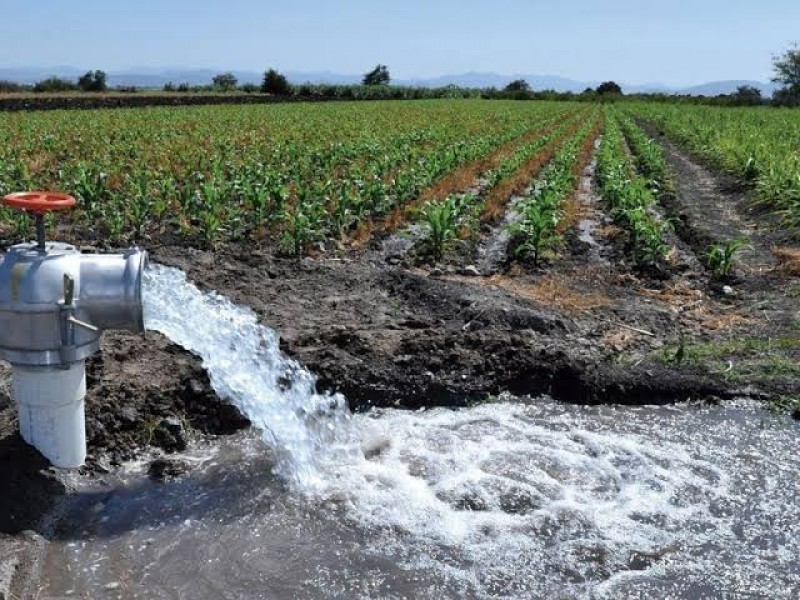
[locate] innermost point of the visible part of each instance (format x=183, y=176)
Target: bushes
x=8, y=87
x=55, y=84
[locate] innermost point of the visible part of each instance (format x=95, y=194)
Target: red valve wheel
x=39, y=203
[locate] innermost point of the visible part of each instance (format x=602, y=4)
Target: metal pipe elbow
x=110, y=291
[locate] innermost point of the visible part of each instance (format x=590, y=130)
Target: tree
x=378, y=76
x=275, y=83
x=787, y=72
x=518, y=85
x=747, y=95
x=224, y=82
x=519, y=89
x=786, y=97
x=609, y=88
x=7, y=86
x=93, y=81
x=787, y=68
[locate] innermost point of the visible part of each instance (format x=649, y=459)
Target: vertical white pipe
x=51, y=411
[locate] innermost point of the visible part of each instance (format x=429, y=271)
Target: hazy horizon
x=636, y=42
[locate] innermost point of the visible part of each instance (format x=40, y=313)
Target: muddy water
x=512, y=499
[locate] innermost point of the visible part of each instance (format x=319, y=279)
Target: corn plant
x=303, y=225
x=442, y=221
x=218, y=172
x=720, y=257
x=536, y=231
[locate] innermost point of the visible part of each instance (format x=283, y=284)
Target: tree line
x=375, y=84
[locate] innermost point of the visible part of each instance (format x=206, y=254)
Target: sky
x=674, y=42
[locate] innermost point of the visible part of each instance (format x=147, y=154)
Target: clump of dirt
x=788, y=259
x=146, y=391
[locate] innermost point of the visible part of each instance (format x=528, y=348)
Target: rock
x=169, y=435
x=167, y=468
x=128, y=415
x=173, y=425
x=471, y=271
x=728, y=290
x=437, y=272
x=394, y=260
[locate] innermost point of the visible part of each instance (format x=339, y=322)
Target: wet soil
x=583, y=327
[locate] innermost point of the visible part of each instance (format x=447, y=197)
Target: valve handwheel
x=39, y=203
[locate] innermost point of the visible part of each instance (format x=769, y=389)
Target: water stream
x=523, y=498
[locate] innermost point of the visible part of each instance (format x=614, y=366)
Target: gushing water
x=247, y=367
x=508, y=500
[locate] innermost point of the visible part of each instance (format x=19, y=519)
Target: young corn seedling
x=442, y=221
x=720, y=257
x=536, y=231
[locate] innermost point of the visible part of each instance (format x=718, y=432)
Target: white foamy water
x=509, y=500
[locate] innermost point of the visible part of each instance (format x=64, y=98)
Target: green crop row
x=293, y=173
x=630, y=198
x=647, y=153
x=541, y=212
x=761, y=146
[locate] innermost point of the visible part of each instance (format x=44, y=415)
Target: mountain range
x=156, y=78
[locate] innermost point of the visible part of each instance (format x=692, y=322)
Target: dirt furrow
x=709, y=208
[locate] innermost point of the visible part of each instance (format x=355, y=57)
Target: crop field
x=300, y=174
x=573, y=206
x=760, y=147
x=303, y=172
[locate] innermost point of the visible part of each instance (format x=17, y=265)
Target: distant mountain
x=157, y=77
x=715, y=88
x=485, y=80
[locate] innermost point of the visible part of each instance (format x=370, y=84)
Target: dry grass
x=693, y=304
x=553, y=291
x=788, y=259
x=609, y=232
x=678, y=295
x=620, y=339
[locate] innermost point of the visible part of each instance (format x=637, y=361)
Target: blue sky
x=677, y=42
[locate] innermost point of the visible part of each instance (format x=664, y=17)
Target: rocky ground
x=385, y=331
